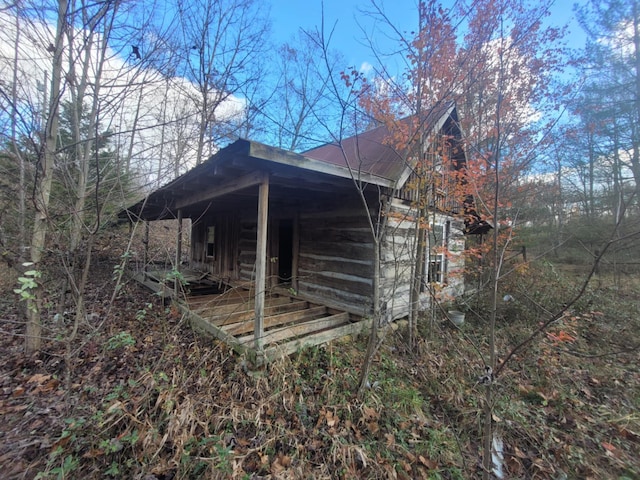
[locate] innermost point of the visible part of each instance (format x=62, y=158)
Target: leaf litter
x=163, y=402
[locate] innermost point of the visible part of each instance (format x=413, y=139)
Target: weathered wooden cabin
x=287, y=241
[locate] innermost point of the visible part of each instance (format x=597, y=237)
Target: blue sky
x=290, y=15
x=342, y=15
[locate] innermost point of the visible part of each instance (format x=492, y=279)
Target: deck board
x=214, y=310
x=288, y=348
x=290, y=332
x=275, y=320
x=290, y=322
x=227, y=298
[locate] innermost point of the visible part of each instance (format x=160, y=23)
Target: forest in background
x=100, y=102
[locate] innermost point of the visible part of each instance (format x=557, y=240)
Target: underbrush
x=151, y=399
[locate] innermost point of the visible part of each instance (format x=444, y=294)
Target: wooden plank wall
x=226, y=262
x=247, y=249
x=397, y=261
x=398, y=254
x=334, y=264
x=335, y=259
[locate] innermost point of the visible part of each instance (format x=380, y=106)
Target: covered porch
x=284, y=240
x=228, y=312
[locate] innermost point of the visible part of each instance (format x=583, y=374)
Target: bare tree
x=90, y=84
x=302, y=101
x=43, y=181
x=498, y=74
x=219, y=41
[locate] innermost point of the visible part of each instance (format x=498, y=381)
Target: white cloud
x=366, y=68
x=135, y=102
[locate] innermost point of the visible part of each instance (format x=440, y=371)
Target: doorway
x=285, y=251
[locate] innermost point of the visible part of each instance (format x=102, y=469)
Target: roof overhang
x=245, y=164
x=238, y=167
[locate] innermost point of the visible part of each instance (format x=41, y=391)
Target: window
x=435, y=273
x=211, y=242
x=436, y=259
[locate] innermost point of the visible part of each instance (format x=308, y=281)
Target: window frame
x=434, y=258
x=210, y=242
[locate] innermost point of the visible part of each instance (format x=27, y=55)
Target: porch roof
x=234, y=170
x=243, y=165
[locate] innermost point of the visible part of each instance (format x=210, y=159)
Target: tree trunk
x=42, y=190
x=372, y=346
x=635, y=158
x=14, y=144
x=418, y=266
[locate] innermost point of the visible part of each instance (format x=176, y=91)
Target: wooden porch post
x=145, y=242
x=176, y=282
x=179, y=241
x=261, y=264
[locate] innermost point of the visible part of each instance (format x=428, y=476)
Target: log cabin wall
x=217, y=251
x=396, y=262
x=335, y=260
x=398, y=257
x=247, y=249
x=331, y=254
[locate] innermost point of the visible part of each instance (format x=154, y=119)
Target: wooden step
x=324, y=336
x=275, y=320
x=246, y=315
x=300, y=329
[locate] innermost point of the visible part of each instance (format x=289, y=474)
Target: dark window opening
x=211, y=242
x=435, y=273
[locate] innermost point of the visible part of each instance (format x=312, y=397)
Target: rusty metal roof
x=368, y=157
x=364, y=153
x=372, y=152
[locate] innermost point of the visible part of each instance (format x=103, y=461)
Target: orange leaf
x=18, y=391
x=370, y=413
x=430, y=464
x=38, y=378
x=520, y=453
x=390, y=439
x=93, y=453
x=628, y=434
x=609, y=447
x=48, y=386
x=332, y=419
x=373, y=427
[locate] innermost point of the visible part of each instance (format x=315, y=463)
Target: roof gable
x=372, y=152
x=367, y=157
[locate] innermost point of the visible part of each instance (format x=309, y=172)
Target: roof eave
x=409, y=166
x=283, y=157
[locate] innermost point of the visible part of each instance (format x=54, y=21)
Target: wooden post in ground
x=176, y=281
x=261, y=266
x=145, y=242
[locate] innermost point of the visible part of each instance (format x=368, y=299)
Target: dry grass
x=151, y=399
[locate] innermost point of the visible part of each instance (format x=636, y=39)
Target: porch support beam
x=261, y=264
x=145, y=242
x=178, y=253
x=249, y=180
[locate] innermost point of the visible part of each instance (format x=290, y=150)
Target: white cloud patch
x=152, y=116
x=366, y=68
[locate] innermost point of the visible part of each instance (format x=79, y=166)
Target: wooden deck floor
x=227, y=313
